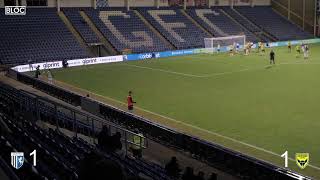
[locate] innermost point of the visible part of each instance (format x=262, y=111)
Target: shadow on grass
x=269, y=67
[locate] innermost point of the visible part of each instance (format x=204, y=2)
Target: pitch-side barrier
x=144, y=56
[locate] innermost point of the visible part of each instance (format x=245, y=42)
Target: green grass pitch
x=268, y=109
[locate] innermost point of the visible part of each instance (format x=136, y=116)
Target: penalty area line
x=192, y=126
x=162, y=70
x=184, y=74
x=217, y=74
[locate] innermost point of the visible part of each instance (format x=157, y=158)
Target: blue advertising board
x=175, y=53
x=133, y=57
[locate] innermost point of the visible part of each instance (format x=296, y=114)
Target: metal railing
x=209, y=152
x=83, y=125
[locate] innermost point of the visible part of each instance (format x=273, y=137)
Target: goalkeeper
x=218, y=48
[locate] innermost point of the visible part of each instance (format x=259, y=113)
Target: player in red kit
x=130, y=101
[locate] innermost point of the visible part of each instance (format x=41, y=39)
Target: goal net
x=224, y=43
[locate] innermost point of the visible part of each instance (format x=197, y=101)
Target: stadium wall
x=300, y=12
x=78, y=3
x=241, y=2
x=71, y=3
x=143, y=3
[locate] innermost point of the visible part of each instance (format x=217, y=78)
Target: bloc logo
x=302, y=160
x=15, y=10
x=17, y=159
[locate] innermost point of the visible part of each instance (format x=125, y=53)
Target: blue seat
x=219, y=24
x=125, y=30
x=39, y=36
x=73, y=14
x=175, y=27
x=273, y=23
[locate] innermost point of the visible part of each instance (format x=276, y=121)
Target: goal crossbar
x=224, y=43
x=226, y=37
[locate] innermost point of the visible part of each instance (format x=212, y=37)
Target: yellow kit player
x=263, y=50
x=231, y=50
x=298, y=51
x=259, y=46
x=246, y=49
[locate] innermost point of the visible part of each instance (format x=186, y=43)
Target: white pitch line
x=225, y=137
x=201, y=129
x=196, y=127
x=162, y=70
x=188, y=75
x=214, y=74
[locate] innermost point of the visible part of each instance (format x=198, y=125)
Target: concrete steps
x=75, y=33
x=196, y=23
x=271, y=37
x=154, y=30
x=108, y=46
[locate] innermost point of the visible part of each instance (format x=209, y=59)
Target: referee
x=272, y=55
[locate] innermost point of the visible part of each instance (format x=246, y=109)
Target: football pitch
x=241, y=102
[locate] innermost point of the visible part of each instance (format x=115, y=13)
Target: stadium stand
x=246, y=23
x=79, y=23
x=44, y=37
x=59, y=156
x=215, y=21
x=273, y=23
x=102, y=3
x=125, y=30
x=175, y=27
x=40, y=37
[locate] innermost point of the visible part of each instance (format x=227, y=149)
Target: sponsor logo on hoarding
x=51, y=65
x=89, y=61
x=32, y=67
x=145, y=56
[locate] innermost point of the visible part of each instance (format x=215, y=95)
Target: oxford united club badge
x=302, y=160
x=17, y=159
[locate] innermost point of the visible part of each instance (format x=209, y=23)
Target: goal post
x=222, y=43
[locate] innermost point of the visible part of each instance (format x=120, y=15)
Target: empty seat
x=39, y=36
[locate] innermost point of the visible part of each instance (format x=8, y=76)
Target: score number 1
x=34, y=154
x=285, y=156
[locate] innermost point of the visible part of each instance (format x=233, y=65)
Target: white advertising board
x=71, y=63
x=98, y=60
x=32, y=67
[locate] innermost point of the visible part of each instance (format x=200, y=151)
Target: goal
x=223, y=43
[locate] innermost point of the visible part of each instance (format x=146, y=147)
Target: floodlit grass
x=241, y=97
